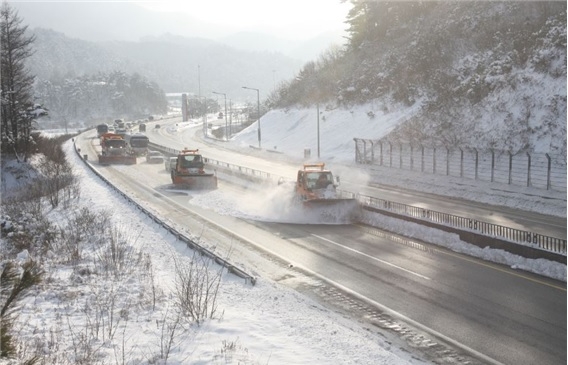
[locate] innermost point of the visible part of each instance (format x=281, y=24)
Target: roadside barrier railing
x=519, y=236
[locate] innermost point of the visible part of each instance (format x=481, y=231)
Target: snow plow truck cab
x=189, y=171
x=317, y=187
x=114, y=150
x=314, y=182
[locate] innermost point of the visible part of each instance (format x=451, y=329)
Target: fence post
x=529, y=170
x=447, y=161
x=492, y=164
x=390, y=154
x=548, y=183
x=411, y=157
x=422, y=166
x=461, y=162
x=510, y=168
x=372, y=151
x=357, y=159
x=434, y=160
x=476, y=163
x=364, y=152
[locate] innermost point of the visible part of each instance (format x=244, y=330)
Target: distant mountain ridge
x=175, y=63
x=132, y=22
x=306, y=50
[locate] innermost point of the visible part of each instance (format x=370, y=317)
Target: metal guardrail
x=514, y=235
x=180, y=236
x=216, y=163
x=517, y=236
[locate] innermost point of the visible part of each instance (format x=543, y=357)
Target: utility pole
x=318, y=112
x=258, y=111
x=226, y=127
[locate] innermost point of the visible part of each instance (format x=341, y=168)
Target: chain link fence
x=540, y=170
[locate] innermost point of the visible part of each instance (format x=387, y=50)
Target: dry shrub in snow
x=197, y=286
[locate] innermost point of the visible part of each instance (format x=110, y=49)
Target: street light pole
x=204, y=113
x=226, y=127
x=318, y=114
x=258, y=110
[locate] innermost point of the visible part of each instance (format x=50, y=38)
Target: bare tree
x=16, y=83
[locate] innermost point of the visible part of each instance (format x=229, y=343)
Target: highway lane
x=510, y=316
x=276, y=164
x=513, y=317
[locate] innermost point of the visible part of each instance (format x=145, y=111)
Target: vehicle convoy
x=114, y=150
x=136, y=143
x=102, y=129
x=189, y=172
x=119, y=124
x=316, y=188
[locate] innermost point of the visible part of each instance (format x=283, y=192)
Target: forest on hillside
x=101, y=97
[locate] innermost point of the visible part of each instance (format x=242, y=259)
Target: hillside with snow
x=479, y=74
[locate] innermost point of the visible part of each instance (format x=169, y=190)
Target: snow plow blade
x=334, y=210
x=125, y=160
x=195, y=182
x=347, y=203
x=333, y=201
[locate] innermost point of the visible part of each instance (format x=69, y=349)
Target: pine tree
x=16, y=83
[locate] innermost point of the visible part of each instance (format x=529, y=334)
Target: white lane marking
x=373, y=258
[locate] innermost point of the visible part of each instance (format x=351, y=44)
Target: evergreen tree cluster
x=441, y=50
x=16, y=101
x=104, y=96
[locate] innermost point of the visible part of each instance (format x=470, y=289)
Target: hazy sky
x=287, y=18
x=131, y=19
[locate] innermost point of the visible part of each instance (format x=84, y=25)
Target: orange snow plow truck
x=315, y=186
x=114, y=150
x=189, y=172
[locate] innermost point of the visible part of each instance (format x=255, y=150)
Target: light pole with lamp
x=258, y=110
x=226, y=127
